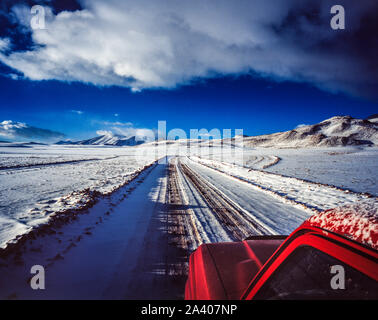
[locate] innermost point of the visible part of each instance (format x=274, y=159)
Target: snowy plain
x=118, y=248
x=39, y=181
x=353, y=168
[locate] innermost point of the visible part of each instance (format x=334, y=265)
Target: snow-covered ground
x=353, y=168
x=109, y=253
x=38, y=181
x=119, y=248
x=313, y=197
x=350, y=168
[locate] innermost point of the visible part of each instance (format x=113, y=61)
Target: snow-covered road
x=275, y=216
x=118, y=250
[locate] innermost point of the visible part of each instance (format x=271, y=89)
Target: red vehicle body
x=303, y=265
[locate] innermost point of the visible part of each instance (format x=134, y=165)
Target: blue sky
x=257, y=106
x=128, y=75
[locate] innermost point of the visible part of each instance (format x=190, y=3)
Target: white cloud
x=4, y=44
x=14, y=76
x=301, y=125
x=117, y=123
x=79, y=112
x=150, y=44
x=15, y=130
x=140, y=133
x=104, y=133
x=126, y=129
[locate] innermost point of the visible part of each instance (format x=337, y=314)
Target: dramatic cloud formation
x=162, y=44
x=16, y=130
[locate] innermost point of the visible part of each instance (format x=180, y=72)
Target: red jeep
x=332, y=255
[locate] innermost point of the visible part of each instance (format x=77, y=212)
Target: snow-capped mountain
x=106, y=140
x=336, y=131
x=373, y=118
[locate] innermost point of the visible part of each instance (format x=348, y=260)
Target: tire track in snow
x=220, y=213
x=277, y=215
x=309, y=196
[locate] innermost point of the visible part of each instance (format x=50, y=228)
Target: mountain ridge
x=105, y=140
x=335, y=131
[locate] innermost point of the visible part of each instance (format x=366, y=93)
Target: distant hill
x=105, y=140
x=336, y=131
x=373, y=118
